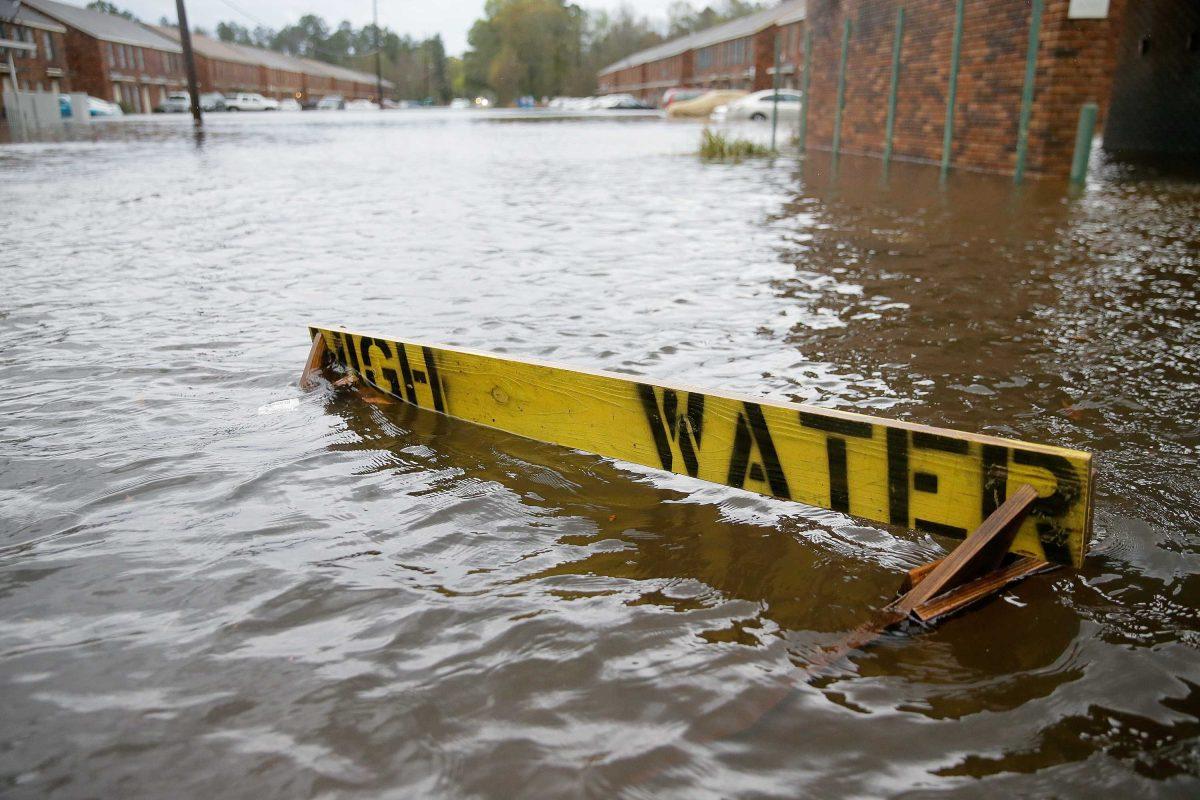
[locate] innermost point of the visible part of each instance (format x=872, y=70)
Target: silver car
x=757, y=106
x=176, y=103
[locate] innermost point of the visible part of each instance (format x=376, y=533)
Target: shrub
x=717, y=146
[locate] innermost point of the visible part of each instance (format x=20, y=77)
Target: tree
x=683, y=19
x=234, y=33
x=108, y=8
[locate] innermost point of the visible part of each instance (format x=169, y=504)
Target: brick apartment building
x=738, y=54
x=1136, y=59
x=116, y=59
x=220, y=67
x=44, y=68
x=226, y=67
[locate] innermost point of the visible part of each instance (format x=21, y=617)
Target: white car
x=331, y=102
x=250, y=101
x=362, y=105
x=757, y=106
x=290, y=104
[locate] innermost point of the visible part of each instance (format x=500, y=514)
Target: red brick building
x=220, y=67
x=226, y=67
x=734, y=55
x=1075, y=63
x=115, y=58
x=44, y=66
x=1137, y=60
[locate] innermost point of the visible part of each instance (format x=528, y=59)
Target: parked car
x=176, y=103
x=460, y=103
x=212, y=101
x=250, y=101
x=96, y=107
x=678, y=95
x=333, y=102
x=362, y=105
x=759, y=105
x=618, y=101
x=289, y=104
x=703, y=105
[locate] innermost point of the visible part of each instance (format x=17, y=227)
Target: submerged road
x=213, y=584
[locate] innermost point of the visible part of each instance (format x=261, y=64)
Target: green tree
x=108, y=8
x=234, y=33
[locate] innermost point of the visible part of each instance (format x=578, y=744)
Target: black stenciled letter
x=835, y=449
x=944, y=444
x=1050, y=510
x=667, y=425
x=752, y=430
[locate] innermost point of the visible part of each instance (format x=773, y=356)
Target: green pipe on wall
x=803, y=135
x=1083, y=142
x=1035, y=26
x=891, y=113
x=948, y=131
x=841, y=91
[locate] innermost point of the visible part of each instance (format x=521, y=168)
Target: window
x=112, y=60
x=120, y=56
x=141, y=59
x=48, y=44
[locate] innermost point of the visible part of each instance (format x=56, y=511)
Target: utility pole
x=189, y=60
x=378, y=56
x=775, y=97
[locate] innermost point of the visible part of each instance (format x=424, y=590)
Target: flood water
x=215, y=585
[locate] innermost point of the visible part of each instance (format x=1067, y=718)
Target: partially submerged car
x=758, y=107
x=703, y=105
x=175, y=103
x=678, y=94
x=96, y=107
x=250, y=101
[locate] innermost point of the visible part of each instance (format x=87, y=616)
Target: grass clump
x=716, y=146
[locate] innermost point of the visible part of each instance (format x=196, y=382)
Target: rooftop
x=261, y=57
x=106, y=27
x=24, y=15
x=786, y=12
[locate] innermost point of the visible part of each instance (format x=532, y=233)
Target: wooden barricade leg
x=974, y=570
x=315, y=362
x=979, y=554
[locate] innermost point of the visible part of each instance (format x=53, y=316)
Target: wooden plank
x=914, y=476
x=314, y=363
x=980, y=553
x=982, y=587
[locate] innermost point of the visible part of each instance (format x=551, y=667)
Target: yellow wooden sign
x=915, y=476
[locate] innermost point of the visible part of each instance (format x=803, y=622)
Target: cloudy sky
x=420, y=18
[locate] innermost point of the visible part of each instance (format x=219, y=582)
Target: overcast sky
x=419, y=18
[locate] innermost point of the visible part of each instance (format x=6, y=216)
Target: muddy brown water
x=212, y=584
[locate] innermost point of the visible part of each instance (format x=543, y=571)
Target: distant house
x=41, y=63
x=115, y=58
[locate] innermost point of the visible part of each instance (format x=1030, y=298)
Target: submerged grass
x=716, y=146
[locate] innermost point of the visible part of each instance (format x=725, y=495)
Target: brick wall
x=89, y=71
x=1075, y=64
x=39, y=69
